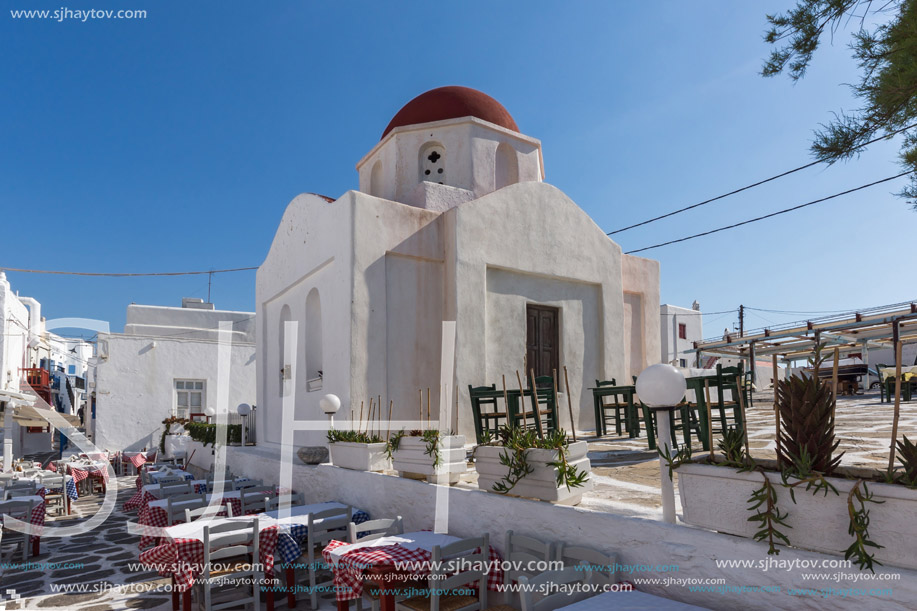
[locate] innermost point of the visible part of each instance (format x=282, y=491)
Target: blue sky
x=175, y=142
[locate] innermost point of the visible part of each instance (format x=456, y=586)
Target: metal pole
x=668, y=488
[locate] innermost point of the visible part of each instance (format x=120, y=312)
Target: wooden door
x=542, y=339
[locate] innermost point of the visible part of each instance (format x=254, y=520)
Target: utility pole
x=741, y=321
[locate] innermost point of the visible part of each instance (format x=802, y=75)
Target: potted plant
x=438, y=458
x=519, y=463
x=358, y=450
x=804, y=499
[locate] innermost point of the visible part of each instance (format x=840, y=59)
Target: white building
x=679, y=329
x=452, y=221
x=166, y=363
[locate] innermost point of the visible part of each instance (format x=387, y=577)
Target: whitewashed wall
x=673, y=347
x=135, y=384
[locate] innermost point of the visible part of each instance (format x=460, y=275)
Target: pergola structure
x=854, y=332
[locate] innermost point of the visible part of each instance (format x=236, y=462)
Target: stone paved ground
x=626, y=473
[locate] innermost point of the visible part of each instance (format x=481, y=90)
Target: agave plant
x=806, y=405
x=907, y=455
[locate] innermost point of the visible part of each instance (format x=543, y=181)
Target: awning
x=28, y=415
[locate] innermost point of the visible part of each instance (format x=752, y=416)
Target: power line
x=753, y=185
x=772, y=214
x=126, y=275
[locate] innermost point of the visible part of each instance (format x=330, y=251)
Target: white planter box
x=411, y=459
x=716, y=498
x=359, y=456
x=540, y=483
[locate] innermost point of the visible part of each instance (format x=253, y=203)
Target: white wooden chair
x=242, y=484
x=601, y=564
x=228, y=485
x=171, y=479
x=21, y=509
x=234, y=547
x=473, y=553
x=254, y=502
x=177, y=503
x=285, y=500
x=323, y=527
x=531, y=601
x=57, y=492
x=369, y=531
x=205, y=512
x=521, y=550
x=173, y=489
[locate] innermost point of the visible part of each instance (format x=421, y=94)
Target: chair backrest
x=570, y=575
x=524, y=550
x=177, y=504
x=255, y=501
x=206, y=511
x=12, y=493
x=375, y=529
x=227, y=484
x=52, y=482
x=600, y=383
x=170, y=479
x=18, y=509
x=601, y=564
x=325, y=526
x=173, y=489
x=228, y=540
x=246, y=483
x=459, y=564
x=285, y=500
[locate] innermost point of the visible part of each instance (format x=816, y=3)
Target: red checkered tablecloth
x=184, y=558
x=348, y=574
x=137, y=459
x=138, y=501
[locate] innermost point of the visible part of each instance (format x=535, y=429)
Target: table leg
x=343, y=605
x=186, y=600
x=270, y=600
x=291, y=592
x=35, y=544
x=174, y=595
x=386, y=601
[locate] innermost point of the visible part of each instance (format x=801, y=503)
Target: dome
x=451, y=103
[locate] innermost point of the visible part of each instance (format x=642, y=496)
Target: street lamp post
x=661, y=387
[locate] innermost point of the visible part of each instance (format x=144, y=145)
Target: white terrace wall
x=135, y=386
x=636, y=541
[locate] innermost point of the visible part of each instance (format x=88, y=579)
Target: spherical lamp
x=244, y=409
x=330, y=404
x=661, y=386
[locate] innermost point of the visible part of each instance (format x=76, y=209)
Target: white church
x=452, y=221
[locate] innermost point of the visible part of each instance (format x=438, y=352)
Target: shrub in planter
x=805, y=499
x=431, y=455
x=358, y=451
x=519, y=463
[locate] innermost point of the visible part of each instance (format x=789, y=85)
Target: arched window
x=506, y=166
x=314, y=371
x=433, y=163
x=375, y=179
x=284, y=372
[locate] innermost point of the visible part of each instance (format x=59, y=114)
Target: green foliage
x=335, y=435
x=681, y=456
x=763, y=502
x=907, y=455
x=517, y=441
x=886, y=54
x=732, y=445
x=859, y=528
x=802, y=471
x=207, y=433
x=806, y=406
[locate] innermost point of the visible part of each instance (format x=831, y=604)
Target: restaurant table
x=630, y=601
x=375, y=560
x=181, y=555
x=36, y=518
x=156, y=513
x=83, y=469
x=294, y=530
x=69, y=486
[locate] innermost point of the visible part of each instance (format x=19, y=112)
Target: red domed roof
x=451, y=103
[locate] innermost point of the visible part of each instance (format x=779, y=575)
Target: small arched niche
x=433, y=163
x=314, y=367
x=375, y=179
x=506, y=166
